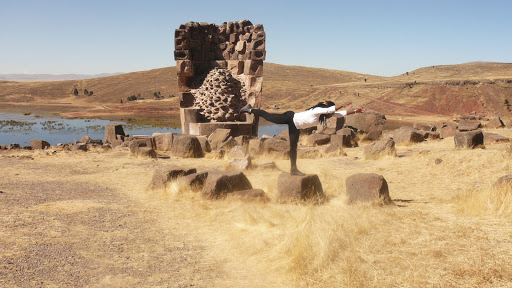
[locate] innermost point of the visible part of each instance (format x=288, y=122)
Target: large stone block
x=276, y=147
x=111, y=133
x=218, y=184
x=345, y=137
x=163, y=175
x=39, y=144
x=184, y=68
x=365, y=122
x=306, y=188
x=163, y=141
x=469, y=125
x=186, y=146
x=318, y=139
x=383, y=147
x=406, y=135
x=367, y=187
x=218, y=137
x=469, y=139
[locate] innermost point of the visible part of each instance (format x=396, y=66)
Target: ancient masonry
x=220, y=69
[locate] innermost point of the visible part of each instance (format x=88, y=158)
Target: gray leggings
x=283, y=118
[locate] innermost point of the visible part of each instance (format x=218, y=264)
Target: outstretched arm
x=358, y=110
x=338, y=107
x=342, y=113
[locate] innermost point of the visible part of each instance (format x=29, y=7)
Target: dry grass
x=446, y=228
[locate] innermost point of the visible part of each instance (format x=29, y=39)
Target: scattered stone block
x=164, y=175
x=218, y=137
x=373, y=135
x=39, y=144
x=267, y=165
x=365, y=122
x=195, y=180
x=331, y=126
x=146, y=152
x=284, y=135
x=306, y=188
x=205, y=145
x=238, y=159
x=406, y=135
x=468, y=125
x=469, y=139
x=345, y=137
x=367, y=187
x=79, y=147
x=111, y=133
x=256, y=146
x=276, y=147
x=318, y=139
x=308, y=153
x=218, y=184
x=438, y=161
x=447, y=131
x=383, y=147
x=186, y=146
x=163, y=141
x=334, y=150
x=136, y=144
x=495, y=138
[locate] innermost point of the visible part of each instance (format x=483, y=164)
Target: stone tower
x=220, y=69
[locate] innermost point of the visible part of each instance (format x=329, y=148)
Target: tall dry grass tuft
x=492, y=200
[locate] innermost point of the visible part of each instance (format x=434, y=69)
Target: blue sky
x=374, y=37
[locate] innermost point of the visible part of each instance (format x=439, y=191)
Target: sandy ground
x=75, y=219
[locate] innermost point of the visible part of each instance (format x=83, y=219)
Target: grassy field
x=88, y=219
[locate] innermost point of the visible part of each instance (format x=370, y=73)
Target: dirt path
x=72, y=230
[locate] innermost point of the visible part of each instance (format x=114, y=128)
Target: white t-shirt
x=310, y=118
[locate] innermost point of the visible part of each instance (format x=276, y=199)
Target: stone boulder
x=195, y=180
x=284, y=135
x=163, y=141
x=218, y=137
x=367, y=187
x=163, y=175
x=383, y=147
x=219, y=184
x=306, y=188
x=495, y=138
x=495, y=123
x=372, y=135
x=468, y=125
x=447, y=130
x=431, y=135
x=276, y=147
x=345, y=137
x=406, y=135
x=134, y=145
x=238, y=159
x=365, y=122
x=111, y=134
x=334, y=150
x=146, y=152
x=469, y=139
x=318, y=139
x=39, y=144
x=79, y=147
x=250, y=195
x=256, y=146
x=186, y=146
x=333, y=124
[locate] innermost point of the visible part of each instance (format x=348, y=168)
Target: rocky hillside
x=479, y=87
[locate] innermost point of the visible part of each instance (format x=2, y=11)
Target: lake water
x=19, y=128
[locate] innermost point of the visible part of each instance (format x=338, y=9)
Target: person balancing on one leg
x=301, y=120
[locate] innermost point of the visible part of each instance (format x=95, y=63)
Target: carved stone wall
x=238, y=47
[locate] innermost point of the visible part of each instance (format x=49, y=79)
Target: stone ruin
x=220, y=70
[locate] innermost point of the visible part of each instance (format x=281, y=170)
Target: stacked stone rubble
x=201, y=47
x=221, y=96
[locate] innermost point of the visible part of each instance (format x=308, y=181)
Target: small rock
x=318, y=139
x=163, y=175
x=383, y=147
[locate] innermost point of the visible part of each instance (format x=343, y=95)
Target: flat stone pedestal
x=306, y=188
x=191, y=124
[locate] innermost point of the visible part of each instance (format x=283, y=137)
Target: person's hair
x=323, y=117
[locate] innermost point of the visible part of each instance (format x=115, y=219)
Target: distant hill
x=52, y=77
x=478, y=87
